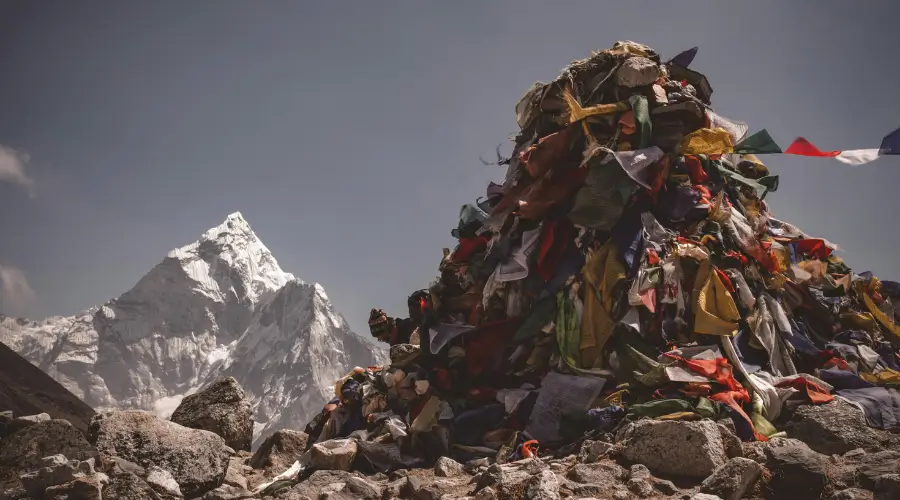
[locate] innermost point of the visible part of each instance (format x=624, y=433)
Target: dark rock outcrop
x=26, y=390
x=279, y=450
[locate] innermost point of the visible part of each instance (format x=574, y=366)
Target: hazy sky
x=349, y=133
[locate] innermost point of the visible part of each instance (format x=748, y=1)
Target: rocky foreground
x=830, y=453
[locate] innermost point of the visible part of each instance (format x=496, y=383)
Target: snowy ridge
x=218, y=306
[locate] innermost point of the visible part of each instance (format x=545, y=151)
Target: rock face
x=218, y=307
x=693, y=449
x=222, y=409
x=26, y=390
x=196, y=459
x=836, y=428
x=279, y=450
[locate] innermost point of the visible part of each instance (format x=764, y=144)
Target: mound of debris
x=625, y=284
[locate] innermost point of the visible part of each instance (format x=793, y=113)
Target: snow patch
x=165, y=407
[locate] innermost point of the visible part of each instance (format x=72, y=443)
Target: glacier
x=220, y=306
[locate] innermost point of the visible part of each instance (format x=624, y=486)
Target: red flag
x=802, y=147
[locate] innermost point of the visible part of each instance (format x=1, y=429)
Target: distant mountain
x=219, y=306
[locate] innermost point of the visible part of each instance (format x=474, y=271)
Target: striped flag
x=890, y=145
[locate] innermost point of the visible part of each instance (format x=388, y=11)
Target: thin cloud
x=12, y=168
x=18, y=296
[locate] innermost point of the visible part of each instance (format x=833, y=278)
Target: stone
x=221, y=408
x=544, y=486
x=640, y=487
x=705, y=496
x=733, y=444
x=591, y=451
x=664, y=486
x=229, y=492
x=589, y=490
x=755, y=450
x=796, y=470
x=887, y=487
x=81, y=488
x=393, y=489
x=447, y=467
x=24, y=449
x=734, y=479
x=130, y=486
x=318, y=482
x=639, y=471
x=197, y=459
x=486, y=494
x=850, y=494
x=621, y=494
x=334, y=454
x=234, y=475
x=362, y=488
x=692, y=449
x=280, y=450
x=836, y=428
x=600, y=473
x=162, y=482
x=869, y=467
x=55, y=470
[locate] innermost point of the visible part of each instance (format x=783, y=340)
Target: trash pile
x=627, y=267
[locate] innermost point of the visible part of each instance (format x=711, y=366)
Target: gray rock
x=755, y=450
x=640, y=487
x=692, y=449
x=221, y=408
x=705, y=496
x=335, y=454
x=850, y=494
x=234, y=475
x=871, y=466
x=447, y=467
x=16, y=424
x=734, y=479
x=486, y=494
x=600, y=473
x=162, y=481
x=130, y=486
x=40, y=417
x=887, y=487
x=55, y=470
x=115, y=465
x=393, y=489
x=319, y=481
x=796, y=470
x=639, y=471
x=81, y=488
x=591, y=451
x=621, y=494
x=361, y=488
x=836, y=428
x=664, y=486
x=590, y=490
x=197, y=459
x=229, y=492
x=280, y=450
x=544, y=486
x=24, y=449
x=733, y=444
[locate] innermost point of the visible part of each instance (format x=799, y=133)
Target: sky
x=349, y=133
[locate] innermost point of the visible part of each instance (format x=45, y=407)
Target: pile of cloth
x=627, y=267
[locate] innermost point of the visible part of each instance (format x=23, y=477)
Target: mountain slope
x=219, y=306
x=26, y=390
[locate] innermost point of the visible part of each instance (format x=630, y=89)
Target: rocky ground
x=829, y=454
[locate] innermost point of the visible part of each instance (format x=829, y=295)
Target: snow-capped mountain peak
x=219, y=306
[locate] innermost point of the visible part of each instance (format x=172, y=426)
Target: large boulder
x=221, y=408
x=836, y=428
x=796, y=470
x=692, y=449
x=197, y=459
x=279, y=450
x=131, y=486
x=25, y=449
